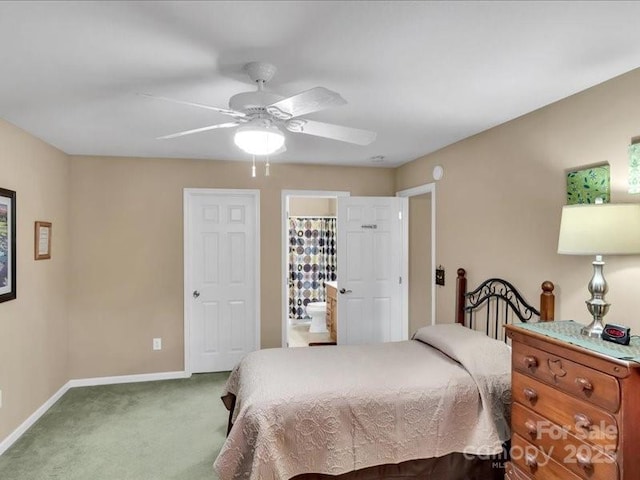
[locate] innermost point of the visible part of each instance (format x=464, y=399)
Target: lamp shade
x=258, y=137
x=605, y=229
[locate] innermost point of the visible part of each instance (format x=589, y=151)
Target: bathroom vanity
x=332, y=309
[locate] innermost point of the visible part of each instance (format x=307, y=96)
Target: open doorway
x=420, y=246
x=422, y=218
x=309, y=263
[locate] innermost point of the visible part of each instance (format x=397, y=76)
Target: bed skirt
x=454, y=466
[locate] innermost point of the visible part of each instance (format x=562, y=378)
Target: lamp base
x=597, y=305
x=593, y=330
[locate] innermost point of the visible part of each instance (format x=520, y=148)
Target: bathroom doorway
x=309, y=260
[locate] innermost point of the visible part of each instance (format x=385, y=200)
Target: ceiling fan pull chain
x=266, y=168
x=253, y=167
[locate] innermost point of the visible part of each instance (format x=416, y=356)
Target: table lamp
x=599, y=229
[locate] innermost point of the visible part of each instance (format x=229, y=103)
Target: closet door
x=221, y=275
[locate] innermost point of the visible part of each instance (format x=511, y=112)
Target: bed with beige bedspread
x=332, y=410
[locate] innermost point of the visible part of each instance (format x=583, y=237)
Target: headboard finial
x=461, y=290
x=548, y=286
x=547, y=301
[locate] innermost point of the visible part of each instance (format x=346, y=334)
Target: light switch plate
x=440, y=275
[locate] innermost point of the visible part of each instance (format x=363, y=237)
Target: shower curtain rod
x=312, y=216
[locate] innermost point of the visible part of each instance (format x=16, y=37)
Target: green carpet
x=162, y=430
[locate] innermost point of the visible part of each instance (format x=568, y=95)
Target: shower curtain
x=312, y=261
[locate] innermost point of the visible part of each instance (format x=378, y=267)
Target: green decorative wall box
x=586, y=185
x=634, y=168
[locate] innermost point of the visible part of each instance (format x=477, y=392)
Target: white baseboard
x=83, y=382
x=143, y=377
x=33, y=418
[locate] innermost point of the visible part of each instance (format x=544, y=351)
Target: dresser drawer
x=583, y=419
x=583, y=382
x=531, y=460
x=576, y=455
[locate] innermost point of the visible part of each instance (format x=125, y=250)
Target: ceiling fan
x=260, y=115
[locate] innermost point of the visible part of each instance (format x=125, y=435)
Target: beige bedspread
x=336, y=409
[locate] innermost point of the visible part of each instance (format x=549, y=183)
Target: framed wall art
x=7, y=244
x=634, y=165
x=588, y=184
x=42, y=242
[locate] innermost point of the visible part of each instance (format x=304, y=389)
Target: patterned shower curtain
x=312, y=261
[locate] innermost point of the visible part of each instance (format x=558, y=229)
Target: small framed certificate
x=42, y=240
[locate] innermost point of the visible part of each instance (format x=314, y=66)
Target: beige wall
x=127, y=267
x=33, y=327
x=499, y=203
x=419, y=261
x=312, y=206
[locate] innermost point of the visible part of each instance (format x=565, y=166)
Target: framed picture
x=634, y=165
x=42, y=241
x=7, y=244
x=589, y=185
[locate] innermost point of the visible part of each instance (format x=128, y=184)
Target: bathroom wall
x=309, y=269
x=312, y=207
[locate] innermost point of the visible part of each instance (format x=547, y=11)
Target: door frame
x=285, y=245
x=188, y=194
x=412, y=192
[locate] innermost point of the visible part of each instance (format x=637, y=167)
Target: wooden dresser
x=332, y=312
x=575, y=412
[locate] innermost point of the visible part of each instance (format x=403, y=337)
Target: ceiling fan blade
x=224, y=111
x=328, y=130
x=309, y=101
x=198, y=130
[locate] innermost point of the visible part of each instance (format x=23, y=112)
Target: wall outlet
x=157, y=343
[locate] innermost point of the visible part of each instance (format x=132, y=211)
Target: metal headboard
x=497, y=302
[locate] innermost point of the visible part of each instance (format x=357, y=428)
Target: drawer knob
x=584, y=462
x=530, y=394
x=530, y=361
x=531, y=427
x=583, y=422
x=584, y=384
x=530, y=461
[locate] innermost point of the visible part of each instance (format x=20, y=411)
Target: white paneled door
x=369, y=270
x=221, y=293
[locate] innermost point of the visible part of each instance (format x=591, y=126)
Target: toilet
x=318, y=313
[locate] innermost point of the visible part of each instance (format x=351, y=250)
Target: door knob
x=196, y=294
x=343, y=291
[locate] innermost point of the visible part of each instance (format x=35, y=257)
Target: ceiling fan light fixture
x=261, y=117
x=259, y=138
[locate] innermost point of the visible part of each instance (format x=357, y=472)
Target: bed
x=433, y=407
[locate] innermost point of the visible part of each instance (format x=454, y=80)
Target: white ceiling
x=421, y=74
